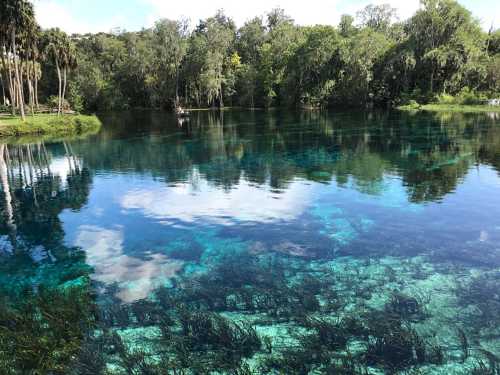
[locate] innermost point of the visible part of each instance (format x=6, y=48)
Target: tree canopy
x=371, y=58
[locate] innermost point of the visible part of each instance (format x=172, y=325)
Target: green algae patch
x=449, y=108
x=48, y=124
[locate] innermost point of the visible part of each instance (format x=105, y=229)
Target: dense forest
x=370, y=58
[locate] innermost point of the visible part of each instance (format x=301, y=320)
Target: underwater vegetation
x=482, y=292
x=249, y=284
x=242, y=315
x=43, y=332
x=394, y=344
x=186, y=342
x=251, y=314
x=406, y=307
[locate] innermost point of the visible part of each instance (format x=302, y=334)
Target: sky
x=81, y=16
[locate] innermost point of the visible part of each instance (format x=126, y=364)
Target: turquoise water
x=254, y=243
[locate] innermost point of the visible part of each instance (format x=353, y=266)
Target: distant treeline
x=441, y=53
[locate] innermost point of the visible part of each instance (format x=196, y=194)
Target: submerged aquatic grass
x=178, y=329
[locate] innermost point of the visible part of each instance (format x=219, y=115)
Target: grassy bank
x=49, y=124
x=450, y=108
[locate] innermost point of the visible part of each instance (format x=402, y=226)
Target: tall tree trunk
x=186, y=97
x=3, y=72
x=176, y=86
x=64, y=87
x=35, y=89
x=21, y=85
x=221, y=100
x=30, y=86
x=36, y=93
x=16, y=71
x=4, y=98
x=12, y=89
x=7, y=69
x=432, y=81
x=32, y=101
x=59, y=94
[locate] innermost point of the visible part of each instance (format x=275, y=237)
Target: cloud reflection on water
x=136, y=278
x=244, y=202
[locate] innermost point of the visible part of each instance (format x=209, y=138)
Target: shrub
x=446, y=99
x=53, y=103
x=465, y=97
x=469, y=97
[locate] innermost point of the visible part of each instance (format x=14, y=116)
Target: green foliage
x=377, y=17
x=458, y=108
x=75, y=98
x=358, y=57
x=449, y=46
x=494, y=42
x=50, y=125
x=346, y=26
x=310, y=72
x=43, y=333
x=53, y=103
x=271, y=61
x=446, y=99
x=464, y=97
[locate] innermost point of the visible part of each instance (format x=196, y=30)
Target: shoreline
x=48, y=125
x=456, y=108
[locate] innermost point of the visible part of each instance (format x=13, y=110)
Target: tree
x=58, y=46
x=494, y=42
x=377, y=17
x=32, y=66
x=269, y=61
x=210, y=56
x=346, y=26
x=449, y=47
x=311, y=71
x=170, y=39
x=277, y=17
x=357, y=58
x=251, y=36
x=283, y=39
x=250, y=39
x=16, y=16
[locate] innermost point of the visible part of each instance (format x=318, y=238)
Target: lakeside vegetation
x=462, y=108
x=24, y=50
x=369, y=59
x=49, y=124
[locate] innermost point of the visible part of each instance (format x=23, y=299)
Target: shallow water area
x=252, y=242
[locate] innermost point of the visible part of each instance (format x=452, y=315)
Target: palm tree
x=31, y=56
x=58, y=45
x=16, y=16
x=69, y=63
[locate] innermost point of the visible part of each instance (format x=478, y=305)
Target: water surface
x=254, y=242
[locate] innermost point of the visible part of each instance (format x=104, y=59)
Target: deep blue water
x=254, y=242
